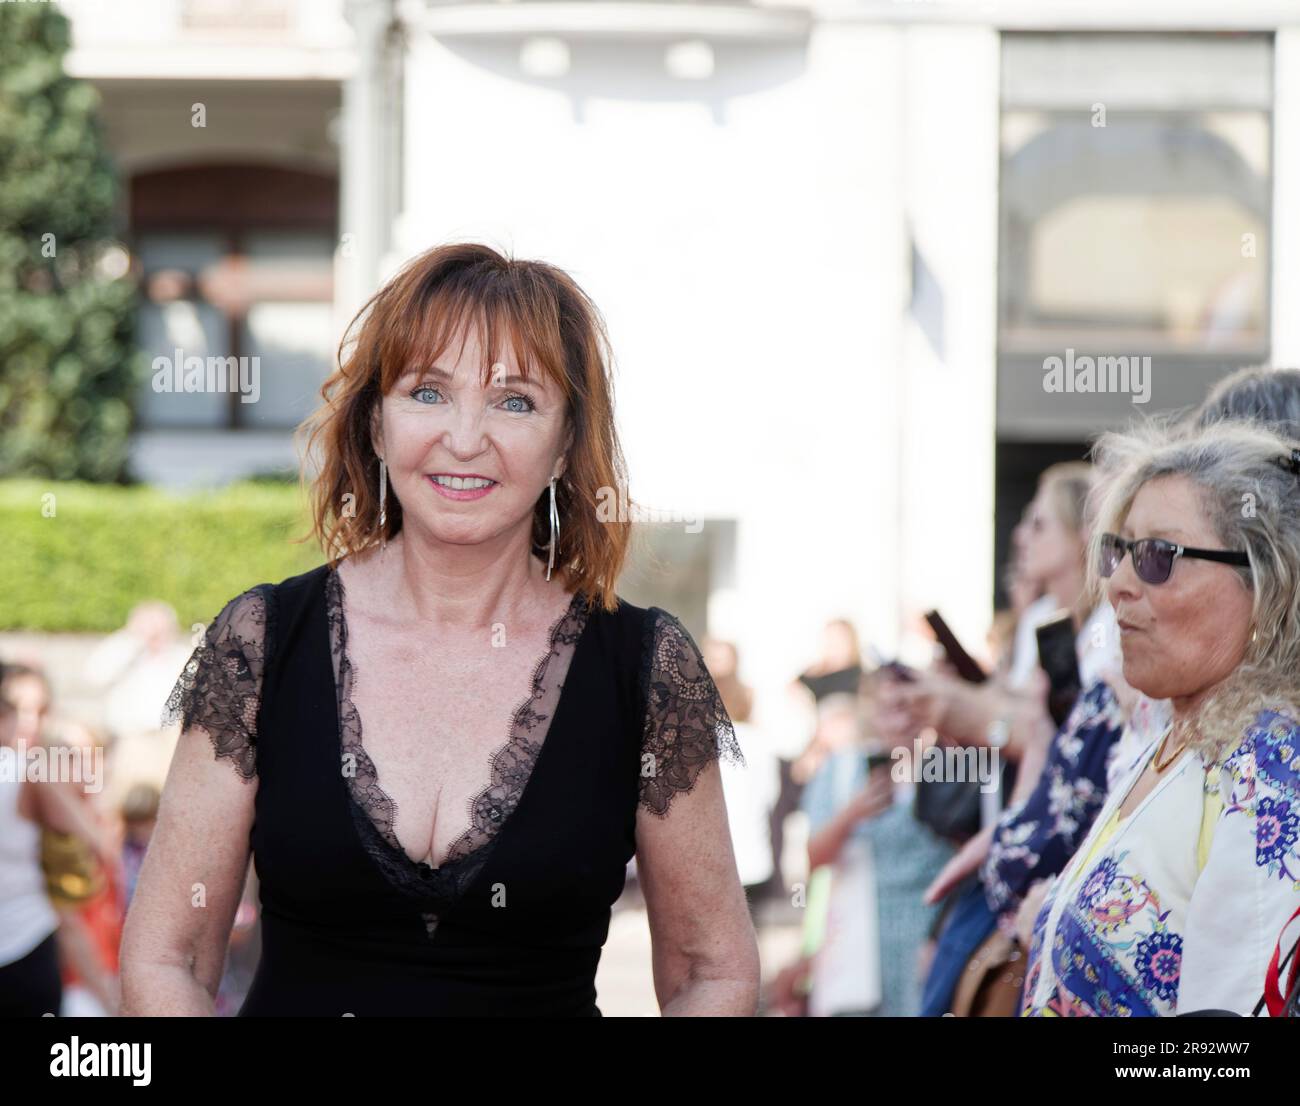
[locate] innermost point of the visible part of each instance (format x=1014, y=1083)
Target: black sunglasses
x=1153, y=558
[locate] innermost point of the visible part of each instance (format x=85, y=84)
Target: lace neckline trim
x=510, y=766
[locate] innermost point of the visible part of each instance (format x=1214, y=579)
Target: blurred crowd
x=930, y=894
x=73, y=840
x=933, y=896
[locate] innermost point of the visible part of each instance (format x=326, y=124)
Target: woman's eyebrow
x=440, y=373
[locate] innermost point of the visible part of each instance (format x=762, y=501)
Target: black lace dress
x=621, y=713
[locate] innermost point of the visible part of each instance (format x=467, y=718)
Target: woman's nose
x=1124, y=582
x=464, y=438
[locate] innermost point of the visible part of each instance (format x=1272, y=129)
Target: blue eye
x=519, y=399
x=424, y=388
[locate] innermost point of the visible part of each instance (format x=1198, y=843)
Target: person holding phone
x=1049, y=546
x=905, y=854
x=1050, y=549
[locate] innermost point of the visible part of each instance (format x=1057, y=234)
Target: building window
x=1135, y=200
x=237, y=262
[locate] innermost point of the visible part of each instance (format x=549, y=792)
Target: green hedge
x=106, y=547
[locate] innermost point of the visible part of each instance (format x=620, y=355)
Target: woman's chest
x=435, y=711
x=441, y=717
x=1145, y=838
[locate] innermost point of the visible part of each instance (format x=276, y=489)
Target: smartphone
x=1060, y=660
x=967, y=667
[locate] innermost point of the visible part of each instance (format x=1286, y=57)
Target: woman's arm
x=968, y=859
x=178, y=926
x=705, y=953
x=960, y=711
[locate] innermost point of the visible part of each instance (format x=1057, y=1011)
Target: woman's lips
x=459, y=493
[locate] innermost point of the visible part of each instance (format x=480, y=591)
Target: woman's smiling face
x=468, y=458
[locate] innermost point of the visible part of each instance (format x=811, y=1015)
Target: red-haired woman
x=443, y=746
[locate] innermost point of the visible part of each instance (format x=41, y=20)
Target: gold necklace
x=1159, y=752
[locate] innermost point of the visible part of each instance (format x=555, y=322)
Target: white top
x=1180, y=907
x=135, y=682
x=1098, y=645
x=750, y=794
x=1024, y=651
x=26, y=916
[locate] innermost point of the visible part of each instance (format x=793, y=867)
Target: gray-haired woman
x=1175, y=899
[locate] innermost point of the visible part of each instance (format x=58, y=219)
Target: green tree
x=68, y=365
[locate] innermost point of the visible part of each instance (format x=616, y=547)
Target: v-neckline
x=567, y=629
x=1161, y=778
x=1088, y=847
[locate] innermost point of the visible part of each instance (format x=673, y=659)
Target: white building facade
x=834, y=244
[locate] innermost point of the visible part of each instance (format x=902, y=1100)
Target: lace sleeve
x=686, y=725
x=220, y=688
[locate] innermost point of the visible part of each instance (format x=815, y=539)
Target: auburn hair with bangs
x=552, y=327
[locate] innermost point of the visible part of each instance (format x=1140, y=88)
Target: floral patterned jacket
x=1180, y=907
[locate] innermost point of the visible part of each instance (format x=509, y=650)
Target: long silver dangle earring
x=383, y=499
x=555, y=531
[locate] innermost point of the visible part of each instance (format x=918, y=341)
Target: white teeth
x=463, y=483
